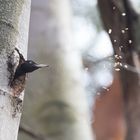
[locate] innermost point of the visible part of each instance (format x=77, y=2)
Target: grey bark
x=14, y=21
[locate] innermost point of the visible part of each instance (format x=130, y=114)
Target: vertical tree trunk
x=14, y=21
x=109, y=119
x=61, y=111
x=120, y=18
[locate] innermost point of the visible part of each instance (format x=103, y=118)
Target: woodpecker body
x=18, y=83
x=27, y=67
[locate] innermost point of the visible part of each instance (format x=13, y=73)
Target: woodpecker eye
x=30, y=62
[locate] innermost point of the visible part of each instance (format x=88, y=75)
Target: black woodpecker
x=27, y=67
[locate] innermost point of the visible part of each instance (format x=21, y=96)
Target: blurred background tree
x=59, y=109
x=104, y=87
x=121, y=18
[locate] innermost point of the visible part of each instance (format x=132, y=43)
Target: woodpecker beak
x=41, y=65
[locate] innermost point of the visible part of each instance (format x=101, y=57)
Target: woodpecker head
x=30, y=66
x=27, y=67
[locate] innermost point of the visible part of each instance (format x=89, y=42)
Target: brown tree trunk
x=119, y=17
x=108, y=113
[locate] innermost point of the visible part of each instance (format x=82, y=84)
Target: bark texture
x=14, y=21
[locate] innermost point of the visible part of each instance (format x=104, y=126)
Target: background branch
x=25, y=129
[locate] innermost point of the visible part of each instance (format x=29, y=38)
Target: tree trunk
x=120, y=18
x=109, y=118
x=60, y=111
x=14, y=21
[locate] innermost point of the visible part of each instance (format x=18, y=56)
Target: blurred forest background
x=101, y=75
